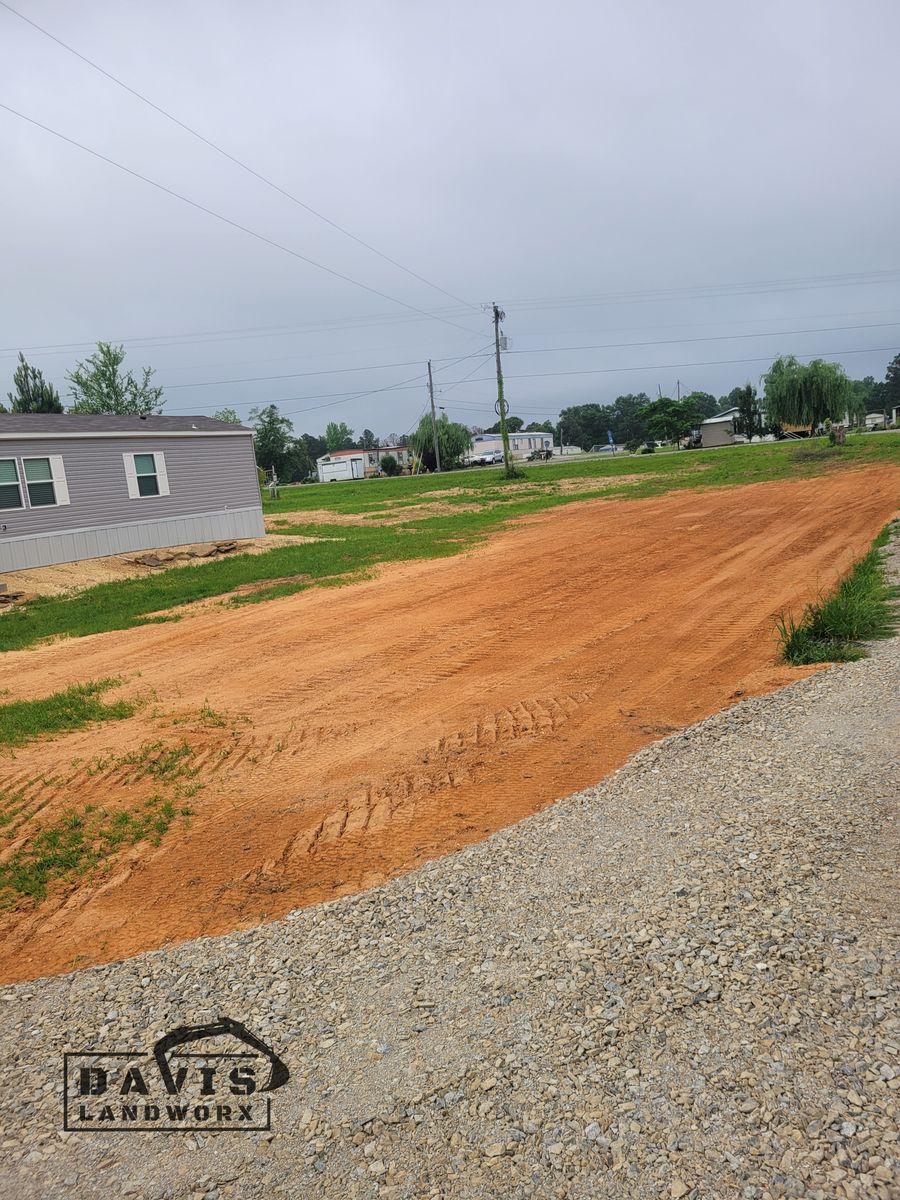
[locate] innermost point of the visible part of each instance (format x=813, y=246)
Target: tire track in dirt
x=374, y=727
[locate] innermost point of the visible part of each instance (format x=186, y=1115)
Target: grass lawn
x=483, y=499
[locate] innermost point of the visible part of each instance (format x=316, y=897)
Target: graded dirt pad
x=371, y=728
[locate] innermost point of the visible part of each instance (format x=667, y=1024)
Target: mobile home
x=83, y=486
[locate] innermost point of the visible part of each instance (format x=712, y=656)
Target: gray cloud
x=655, y=157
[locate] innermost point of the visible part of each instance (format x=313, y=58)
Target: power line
x=160, y=341
x=720, y=337
x=232, y=158
x=403, y=385
x=450, y=386
x=406, y=384
x=713, y=291
x=726, y=337
x=228, y=221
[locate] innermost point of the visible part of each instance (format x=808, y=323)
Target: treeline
x=795, y=394
x=293, y=457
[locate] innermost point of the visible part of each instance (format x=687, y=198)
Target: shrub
x=389, y=465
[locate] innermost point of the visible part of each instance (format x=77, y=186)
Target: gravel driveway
x=678, y=983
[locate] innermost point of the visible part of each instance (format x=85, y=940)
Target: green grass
x=25, y=720
x=76, y=844
x=863, y=607
x=345, y=553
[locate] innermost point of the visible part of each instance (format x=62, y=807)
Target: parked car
x=487, y=459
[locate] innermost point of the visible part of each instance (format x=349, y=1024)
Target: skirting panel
x=17, y=554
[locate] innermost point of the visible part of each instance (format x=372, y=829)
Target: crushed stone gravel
x=679, y=983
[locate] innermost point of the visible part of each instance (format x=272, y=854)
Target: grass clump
x=77, y=843
x=159, y=761
x=26, y=720
x=862, y=608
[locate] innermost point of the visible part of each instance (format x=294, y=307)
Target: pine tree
x=32, y=392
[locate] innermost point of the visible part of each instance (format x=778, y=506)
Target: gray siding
x=720, y=433
x=213, y=493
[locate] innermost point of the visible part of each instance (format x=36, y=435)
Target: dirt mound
x=361, y=731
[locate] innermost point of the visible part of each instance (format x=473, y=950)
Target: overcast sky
x=708, y=177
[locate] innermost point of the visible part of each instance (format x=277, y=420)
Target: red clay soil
x=373, y=727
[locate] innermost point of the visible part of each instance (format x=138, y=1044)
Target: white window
x=10, y=492
x=45, y=481
x=146, y=475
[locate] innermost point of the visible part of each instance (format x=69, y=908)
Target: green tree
x=227, y=414
x=315, y=446
x=338, y=436
x=866, y=395
x=32, y=392
x=276, y=448
x=454, y=441
x=585, y=425
x=729, y=401
x=890, y=389
x=749, y=419
x=540, y=427
x=99, y=385
x=806, y=395
x=389, y=465
x=705, y=403
x=626, y=422
x=513, y=424
x=368, y=440
x=670, y=420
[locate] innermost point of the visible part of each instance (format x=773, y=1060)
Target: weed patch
x=26, y=720
x=78, y=843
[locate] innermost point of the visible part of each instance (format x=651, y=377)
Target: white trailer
x=342, y=466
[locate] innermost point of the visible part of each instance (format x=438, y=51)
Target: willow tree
x=806, y=395
x=454, y=441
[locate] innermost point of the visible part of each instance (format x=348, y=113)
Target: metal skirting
x=40, y=550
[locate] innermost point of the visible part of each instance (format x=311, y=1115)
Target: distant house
x=719, y=429
x=74, y=487
x=520, y=444
x=357, y=464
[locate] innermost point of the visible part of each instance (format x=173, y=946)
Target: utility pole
x=501, y=400
x=679, y=391
x=437, y=449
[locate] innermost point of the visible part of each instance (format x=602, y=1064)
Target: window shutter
x=59, y=479
x=131, y=476
x=161, y=476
